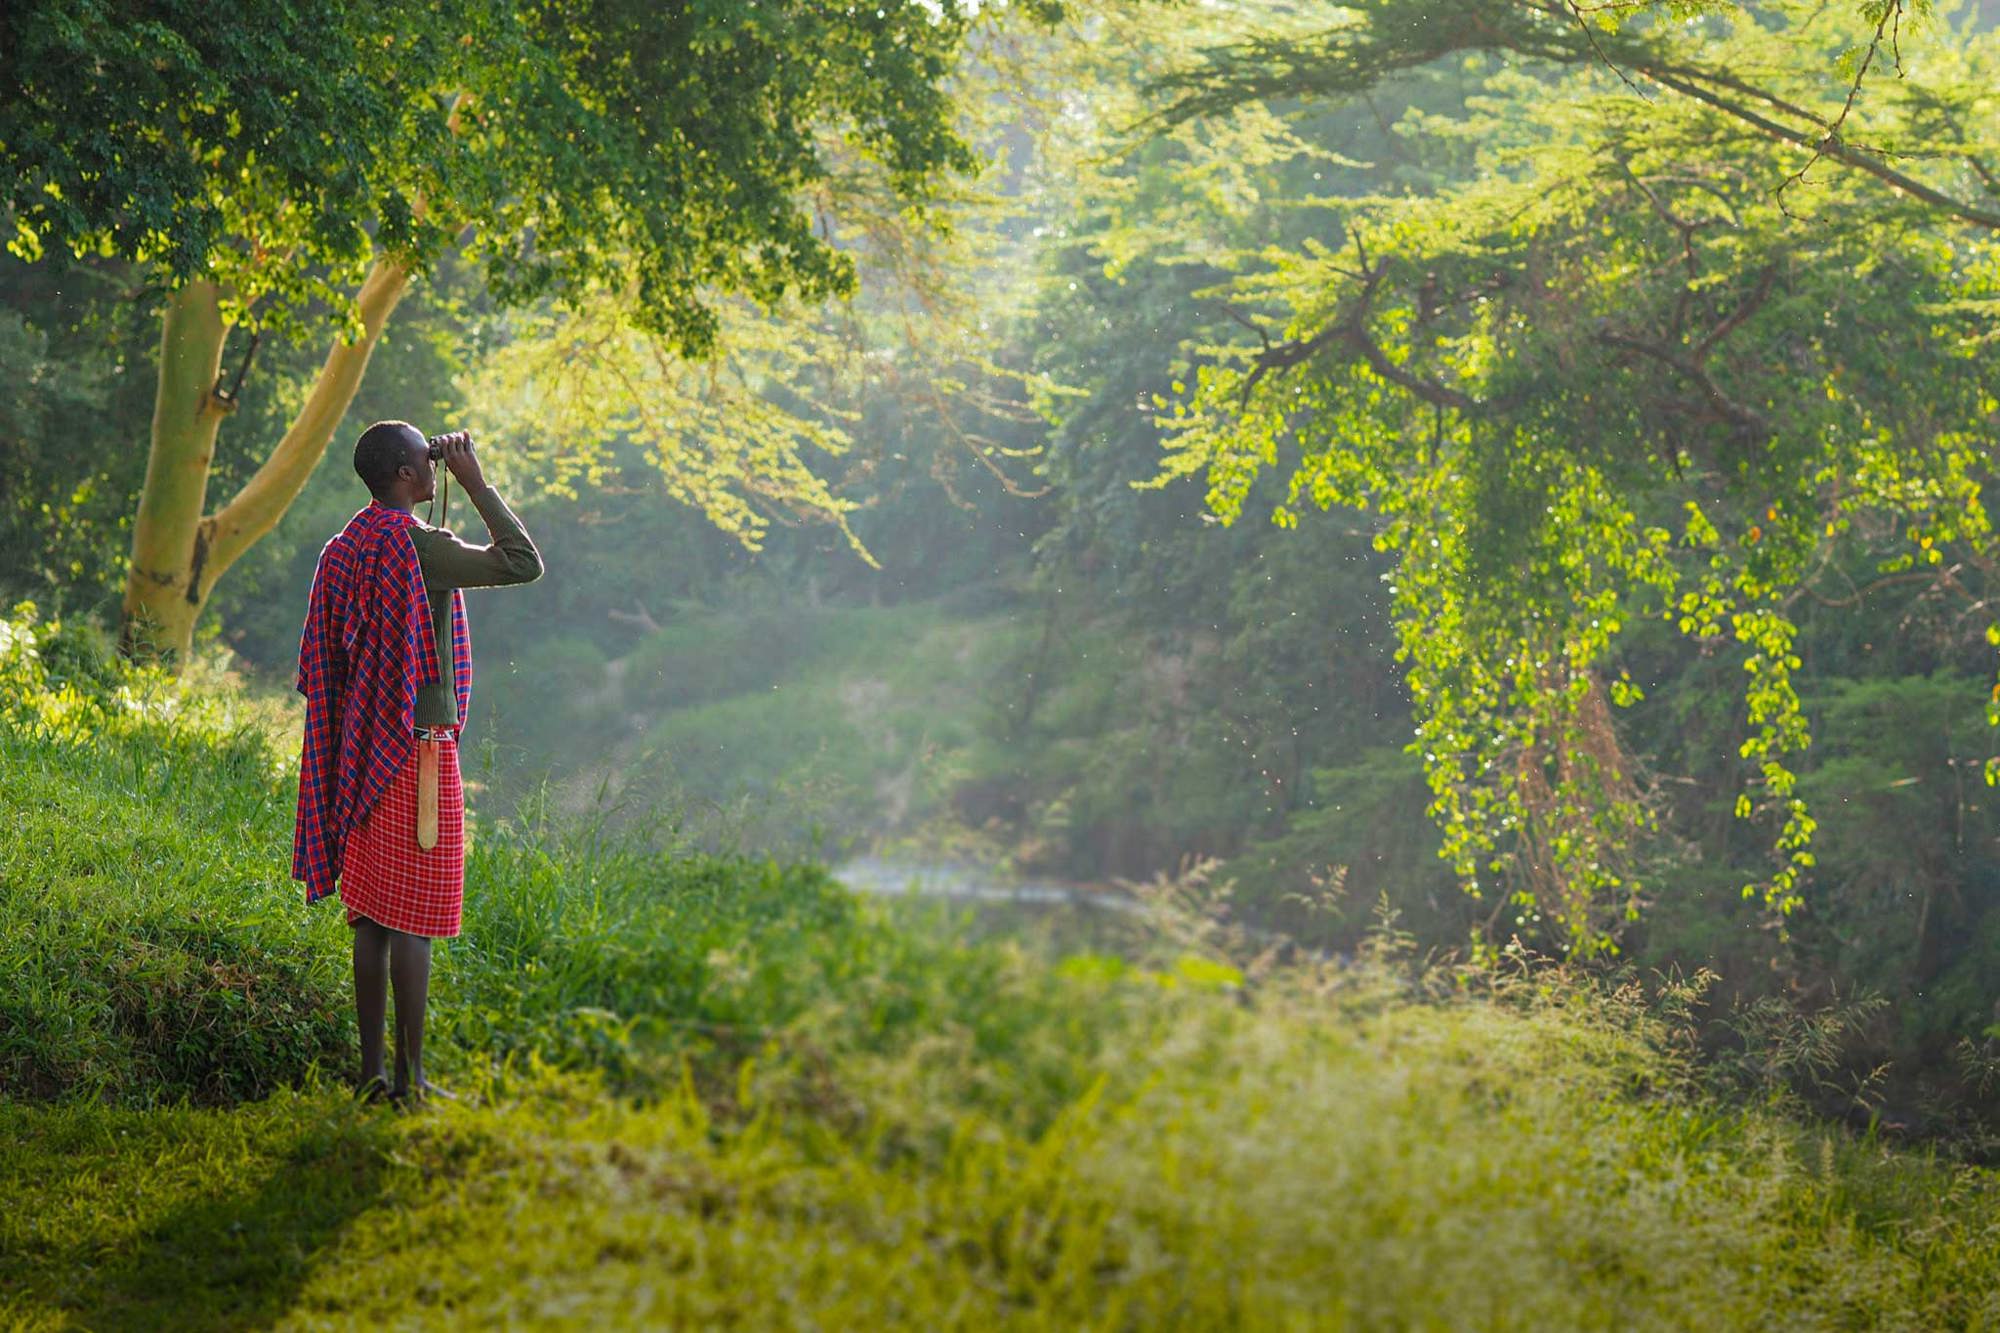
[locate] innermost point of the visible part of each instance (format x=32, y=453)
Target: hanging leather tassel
x=427, y=794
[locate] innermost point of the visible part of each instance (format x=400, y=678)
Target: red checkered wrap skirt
x=386, y=877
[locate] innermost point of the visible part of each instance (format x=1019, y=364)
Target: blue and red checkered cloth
x=367, y=648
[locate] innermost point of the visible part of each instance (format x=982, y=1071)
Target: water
x=1066, y=917
x=964, y=882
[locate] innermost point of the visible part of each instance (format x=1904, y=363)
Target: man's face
x=417, y=457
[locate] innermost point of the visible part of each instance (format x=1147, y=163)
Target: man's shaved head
x=384, y=447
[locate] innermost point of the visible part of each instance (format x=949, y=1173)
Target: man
x=385, y=663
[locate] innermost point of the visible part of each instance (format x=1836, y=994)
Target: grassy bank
x=721, y=1092
x=159, y=950
x=1358, y=1162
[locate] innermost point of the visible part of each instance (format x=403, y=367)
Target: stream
x=1067, y=916
x=969, y=883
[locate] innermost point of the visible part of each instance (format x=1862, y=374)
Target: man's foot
x=410, y=1098
x=371, y=1090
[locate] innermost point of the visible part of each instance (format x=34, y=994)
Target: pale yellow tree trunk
x=159, y=607
x=177, y=554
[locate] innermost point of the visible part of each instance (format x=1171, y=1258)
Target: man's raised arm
x=451, y=563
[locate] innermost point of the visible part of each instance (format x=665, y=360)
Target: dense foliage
x=585, y=144
x=1636, y=362
x=269, y=185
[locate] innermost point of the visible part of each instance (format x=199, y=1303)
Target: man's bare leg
x=371, y=994
x=410, y=974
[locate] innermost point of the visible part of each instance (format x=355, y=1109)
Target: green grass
x=720, y=1092
x=158, y=948
x=1347, y=1161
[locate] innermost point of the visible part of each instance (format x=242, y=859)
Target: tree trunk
x=177, y=554
x=160, y=604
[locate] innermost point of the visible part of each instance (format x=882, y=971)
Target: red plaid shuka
x=366, y=649
x=386, y=877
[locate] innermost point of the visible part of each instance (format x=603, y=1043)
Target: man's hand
x=458, y=456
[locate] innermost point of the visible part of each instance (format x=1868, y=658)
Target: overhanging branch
x=1355, y=56
x=1695, y=373
x=1830, y=146
x=1351, y=331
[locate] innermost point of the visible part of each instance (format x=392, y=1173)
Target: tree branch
x=1832, y=148
x=1747, y=418
x=638, y=616
x=1751, y=303
x=1351, y=329
x=231, y=396
x=1893, y=9
x=1355, y=56
x=256, y=508
x=1356, y=337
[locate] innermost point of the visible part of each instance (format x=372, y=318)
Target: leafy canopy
x=1708, y=306
x=575, y=144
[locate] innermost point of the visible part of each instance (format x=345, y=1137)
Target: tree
x=1711, y=308
x=298, y=166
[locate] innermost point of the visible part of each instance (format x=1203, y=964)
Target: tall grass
x=1334, y=1157
x=705, y=1092
x=151, y=948
x=158, y=950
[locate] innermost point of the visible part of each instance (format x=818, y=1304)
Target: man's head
x=393, y=460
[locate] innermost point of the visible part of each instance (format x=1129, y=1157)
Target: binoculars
x=435, y=450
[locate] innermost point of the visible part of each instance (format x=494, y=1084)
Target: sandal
x=373, y=1089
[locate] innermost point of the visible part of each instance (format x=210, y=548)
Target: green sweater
x=449, y=563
